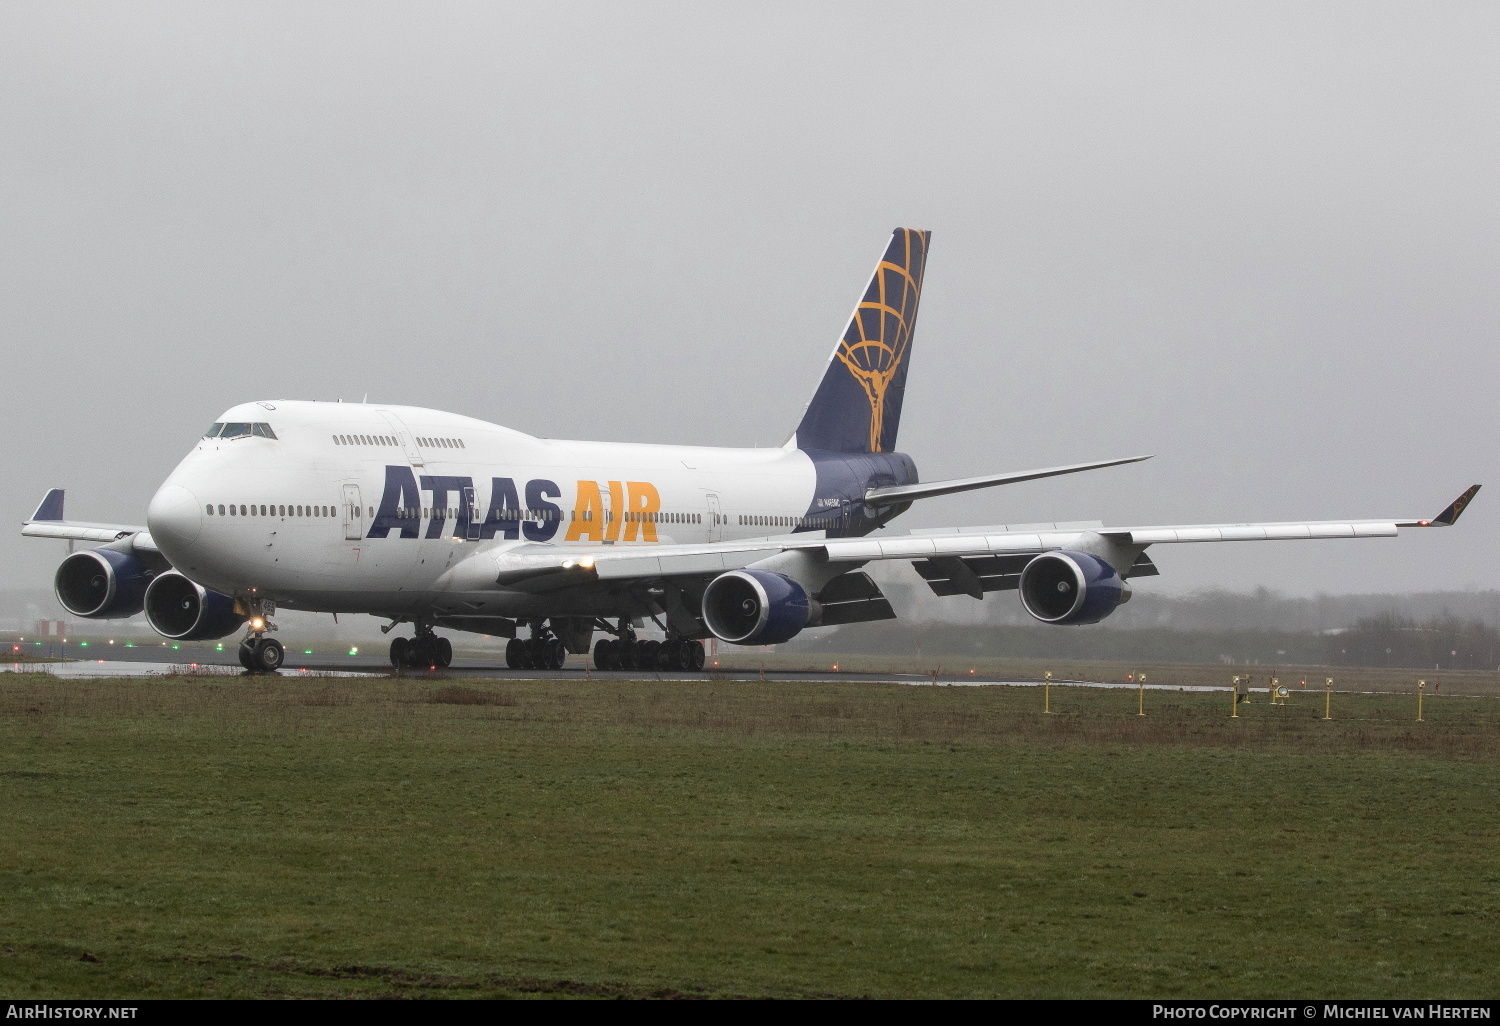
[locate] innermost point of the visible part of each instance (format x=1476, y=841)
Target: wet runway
x=486, y=670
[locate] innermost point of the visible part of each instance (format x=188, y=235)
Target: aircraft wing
x=547, y=567
x=48, y=522
x=892, y=494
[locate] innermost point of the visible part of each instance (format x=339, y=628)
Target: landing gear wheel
x=419, y=653
x=400, y=653
x=699, y=656
x=557, y=654
x=442, y=652
x=624, y=654
x=247, y=653
x=648, y=654
x=268, y=655
x=513, y=649
x=603, y=657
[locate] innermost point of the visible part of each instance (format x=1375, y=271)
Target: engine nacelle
x=101, y=584
x=178, y=609
x=1071, y=588
x=755, y=607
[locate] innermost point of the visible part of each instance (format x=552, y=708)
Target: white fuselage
x=298, y=518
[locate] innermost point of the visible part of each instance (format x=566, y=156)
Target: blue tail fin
x=857, y=406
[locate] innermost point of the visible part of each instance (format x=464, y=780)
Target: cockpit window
x=264, y=431
x=213, y=431
x=235, y=431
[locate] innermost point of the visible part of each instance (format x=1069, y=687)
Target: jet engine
x=1066, y=587
x=178, y=609
x=102, y=584
x=756, y=607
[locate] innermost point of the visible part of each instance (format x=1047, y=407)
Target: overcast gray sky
x=1258, y=240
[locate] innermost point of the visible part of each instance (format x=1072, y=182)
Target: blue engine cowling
x=178, y=609
x=1066, y=587
x=101, y=584
x=755, y=607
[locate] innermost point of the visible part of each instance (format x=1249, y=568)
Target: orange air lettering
x=644, y=502
x=616, y=511
x=588, y=514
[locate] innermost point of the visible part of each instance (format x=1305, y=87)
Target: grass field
x=211, y=837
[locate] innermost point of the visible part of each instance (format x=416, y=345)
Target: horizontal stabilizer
x=907, y=493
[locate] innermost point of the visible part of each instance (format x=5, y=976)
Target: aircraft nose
x=174, y=518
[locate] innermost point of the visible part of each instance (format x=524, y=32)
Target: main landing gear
x=535, y=654
x=626, y=653
x=258, y=653
x=426, y=651
x=541, y=651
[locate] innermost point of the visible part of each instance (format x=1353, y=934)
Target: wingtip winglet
x=1449, y=516
x=51, y=507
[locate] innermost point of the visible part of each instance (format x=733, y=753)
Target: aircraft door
x=475, y=519
x=408, y=442
x=354, y=513
x=715, y=518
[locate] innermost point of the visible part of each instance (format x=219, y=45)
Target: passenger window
x=221, y=509
x=213, y=431
x=231, y=510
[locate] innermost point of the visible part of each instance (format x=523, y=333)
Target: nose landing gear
x=258, y=653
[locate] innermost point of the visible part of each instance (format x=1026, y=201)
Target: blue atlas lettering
x=504, y=513
x=400, y=506
x=441, y=488
x=548, y=514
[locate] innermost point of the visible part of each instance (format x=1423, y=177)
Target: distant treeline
x=1391, y=640
x=1381, y=640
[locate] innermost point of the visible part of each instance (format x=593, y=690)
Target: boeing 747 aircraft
x=444, y=522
